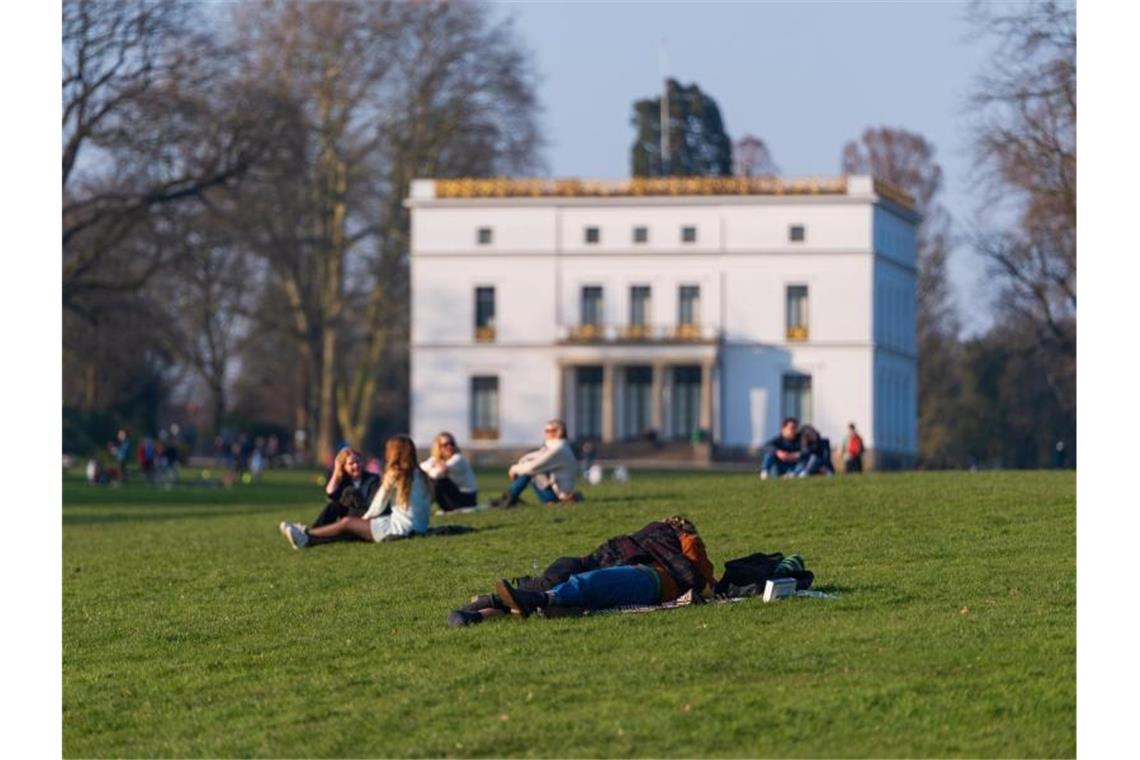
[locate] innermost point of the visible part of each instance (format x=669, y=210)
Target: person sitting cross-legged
x=400, y=508
x=783, y=451
x=644, y=582
x=550, y=470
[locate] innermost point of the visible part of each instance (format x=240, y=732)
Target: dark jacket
x=656, y=542
x=780, y=443
x=362, y=495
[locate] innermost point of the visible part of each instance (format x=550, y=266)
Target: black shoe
x=505, y=501
x=460, y=618
x=522, y=602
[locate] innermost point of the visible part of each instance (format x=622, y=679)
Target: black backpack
x=746, y=576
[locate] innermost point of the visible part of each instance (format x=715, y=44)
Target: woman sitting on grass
x=400, y=508
x=450, y=478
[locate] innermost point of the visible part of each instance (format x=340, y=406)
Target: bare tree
x=1025, y=111
x=753, y=159
x=138, y=134
x=380, y=93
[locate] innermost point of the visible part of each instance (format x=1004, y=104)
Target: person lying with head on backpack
x=656, y=564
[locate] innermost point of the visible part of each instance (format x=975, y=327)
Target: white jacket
x=553, y=465
x=404, y=518
x=458, y=470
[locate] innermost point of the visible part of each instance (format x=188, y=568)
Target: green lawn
x=190, y=628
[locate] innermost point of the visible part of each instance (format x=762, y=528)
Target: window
x=638, y=311
x=688, y=234
x=641, y=234
x=795, y=397
x=593, y=235
x=588, y=403
x=796, y=233
x=484, y=408
x=689, y=311
x=685, y=402
x=484, y=236
x=591, y=312
x=484, y=314
x=797, y=312
x=636, y=394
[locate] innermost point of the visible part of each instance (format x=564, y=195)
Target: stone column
x=656, y=399
x=705, y=417
x=607, y=402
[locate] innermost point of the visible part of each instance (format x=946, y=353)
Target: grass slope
x=190, y=628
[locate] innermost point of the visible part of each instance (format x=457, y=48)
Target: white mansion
x=667, y=316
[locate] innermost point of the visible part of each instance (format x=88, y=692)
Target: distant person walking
x=121, y=450
x=852, y=450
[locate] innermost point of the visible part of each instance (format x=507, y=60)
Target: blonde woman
x=401, y=506
x=450, y=478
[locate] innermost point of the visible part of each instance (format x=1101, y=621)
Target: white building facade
x=664, y=315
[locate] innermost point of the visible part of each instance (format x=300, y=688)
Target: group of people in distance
x=797, y=452
x=362, y=506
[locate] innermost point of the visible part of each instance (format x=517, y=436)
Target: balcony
x=626, y=333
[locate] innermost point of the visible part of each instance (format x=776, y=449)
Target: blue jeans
x=813, y=465
x=519, y=484
x=774, y=466
x=609, y=587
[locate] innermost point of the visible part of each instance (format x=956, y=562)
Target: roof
x=503, y=187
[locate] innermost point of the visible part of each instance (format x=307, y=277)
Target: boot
x=522, y=602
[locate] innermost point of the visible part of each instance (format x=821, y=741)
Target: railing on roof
x=504, y=187
x=501, y=187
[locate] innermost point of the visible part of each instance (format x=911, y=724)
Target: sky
x=804, y=77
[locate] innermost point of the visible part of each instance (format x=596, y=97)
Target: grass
x=190, y=628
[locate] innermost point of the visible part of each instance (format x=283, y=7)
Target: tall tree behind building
x=753, y=159
x=698, y=142
x=380, y=93
x=1024, y=107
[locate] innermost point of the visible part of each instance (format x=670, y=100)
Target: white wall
x=839, y=295
x=828, y=226
x=517, y=229
x=443, y=298
x=751, y=387
x=441, y=392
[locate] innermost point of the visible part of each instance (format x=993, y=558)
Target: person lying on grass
x=349, y=490
x=667, y=557
x=401, y=506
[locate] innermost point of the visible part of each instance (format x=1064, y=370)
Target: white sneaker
x=298, y=539
x=763, y=476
